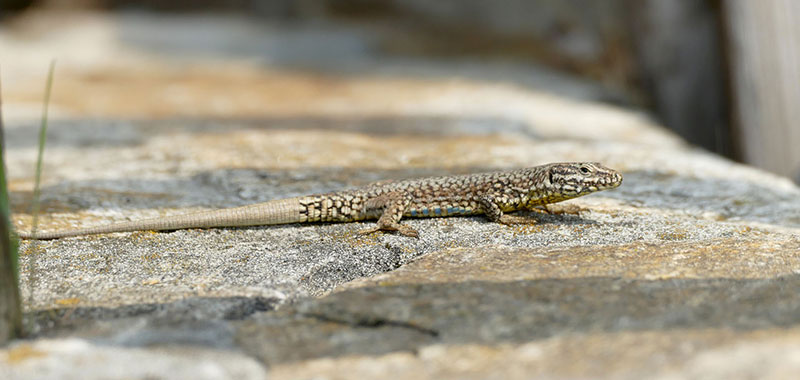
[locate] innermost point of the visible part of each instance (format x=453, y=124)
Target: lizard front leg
x=392, y=206
x=491, y=208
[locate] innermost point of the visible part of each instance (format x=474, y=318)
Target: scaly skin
x=492, y=194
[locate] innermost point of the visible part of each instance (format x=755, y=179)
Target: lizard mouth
x=610, y=182
x=616, y=181
x=587, y=188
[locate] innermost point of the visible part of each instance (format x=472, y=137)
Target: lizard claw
x=401, y=229
x=407, y=231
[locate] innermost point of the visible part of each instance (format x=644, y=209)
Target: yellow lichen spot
x=579, y=229
x=526, y=229
x=451, y=244
x=356, y=239
x=68, y=301
x=151, y=256
x=678, y=234
x=88, y=256
x=23, y=352
x=140, y=236
x=151, y=282
x=31, y=249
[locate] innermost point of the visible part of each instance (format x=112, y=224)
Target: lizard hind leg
x=393, y=205
x=495, y=214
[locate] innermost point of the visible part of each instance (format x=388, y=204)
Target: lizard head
x=573, y=179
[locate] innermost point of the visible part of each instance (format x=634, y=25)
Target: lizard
x=493, y=194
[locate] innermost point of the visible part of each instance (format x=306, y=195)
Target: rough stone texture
x=78, y=359
x=689, y=269
x=676, y=354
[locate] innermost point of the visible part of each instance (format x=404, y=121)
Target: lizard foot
x=510, y=219
x=368, y=231
x=407, y=231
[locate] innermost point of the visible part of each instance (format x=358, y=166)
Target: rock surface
x=688, y=270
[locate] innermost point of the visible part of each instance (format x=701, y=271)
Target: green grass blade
x=5, y=207
x=40, y=155
x=37, y=184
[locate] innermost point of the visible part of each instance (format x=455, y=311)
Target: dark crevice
x=187, y=311
x=372, y=323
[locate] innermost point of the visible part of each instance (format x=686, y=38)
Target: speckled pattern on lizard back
x=493, y=194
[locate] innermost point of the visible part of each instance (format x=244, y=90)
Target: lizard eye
x=584, y=170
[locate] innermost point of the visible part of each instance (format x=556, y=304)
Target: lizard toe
x=510, y=219
x=367, y=231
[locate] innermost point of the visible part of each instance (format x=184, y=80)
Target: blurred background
x=722, y=74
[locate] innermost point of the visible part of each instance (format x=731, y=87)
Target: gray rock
x=693, y=259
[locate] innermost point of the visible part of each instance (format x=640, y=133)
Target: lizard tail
x=281, y=211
